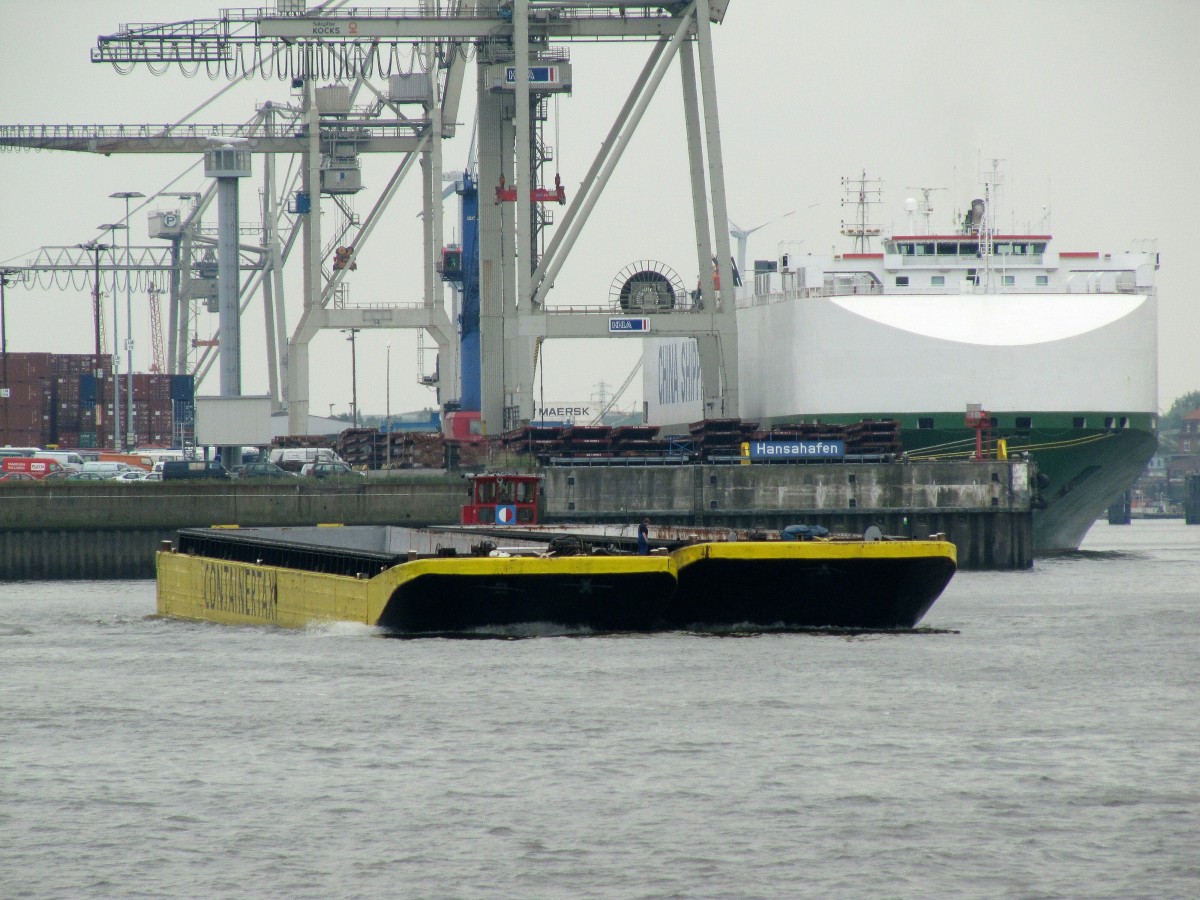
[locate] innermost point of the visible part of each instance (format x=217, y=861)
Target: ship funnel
x=973, y=221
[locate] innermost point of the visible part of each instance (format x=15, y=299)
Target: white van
x=64, y=458
x=8, y=450
x=107, y=469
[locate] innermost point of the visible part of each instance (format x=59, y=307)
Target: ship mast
x=987, y=228
x=925, y=205
x=862, y=193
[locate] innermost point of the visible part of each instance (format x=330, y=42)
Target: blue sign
x=627, y=325
x=506, y=515
x=818, y=449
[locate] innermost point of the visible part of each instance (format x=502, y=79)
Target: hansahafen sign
x=816, y=449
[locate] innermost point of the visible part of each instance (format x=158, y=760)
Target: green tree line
x=1173, y=420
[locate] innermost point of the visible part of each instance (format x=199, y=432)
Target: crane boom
x=637, y=367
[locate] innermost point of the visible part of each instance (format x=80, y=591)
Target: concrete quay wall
x=99, y=530
x=983, y=507
x=86, y=505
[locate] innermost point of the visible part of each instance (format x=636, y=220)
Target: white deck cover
x=934, y=353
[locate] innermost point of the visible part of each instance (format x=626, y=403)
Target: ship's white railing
x=942, y=290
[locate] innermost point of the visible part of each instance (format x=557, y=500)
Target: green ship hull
x=1085, y=460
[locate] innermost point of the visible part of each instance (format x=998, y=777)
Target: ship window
x=1108, y=421
x=1024, y=423
x=486, y=492
x=938, y=280
x=524, y=491
x=1038, y=247
x=904, y=249
x=925, y=422
x=1043, y=280
x=971, y=249
x=901, y=281
x=1020, y=249
x=1079, y=422
x=924, y=249
x=1124, y=422
x=1010, y=279
x=945, y=248
x=1002, y=248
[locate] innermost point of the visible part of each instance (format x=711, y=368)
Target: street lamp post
x=353, y=373
x=388, y=411
x=4, y=282
x=127, y=196
x=5, y=274
x=96, y=249
x=112, y=227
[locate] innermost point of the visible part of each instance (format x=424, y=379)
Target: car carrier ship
x=1055, y=349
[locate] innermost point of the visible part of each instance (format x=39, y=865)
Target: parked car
x=132, y=475
x=294, y=458
x=108, y=469
x=18, y=476
x=153, y=476
x=263, y=470
x=329, y=470
x=86, y=476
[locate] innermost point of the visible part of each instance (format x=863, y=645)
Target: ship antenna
x=925, y=205
x=862, y=193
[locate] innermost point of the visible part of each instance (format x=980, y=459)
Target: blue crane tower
x=461, y=267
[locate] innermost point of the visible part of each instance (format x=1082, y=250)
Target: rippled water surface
x=1040, y=741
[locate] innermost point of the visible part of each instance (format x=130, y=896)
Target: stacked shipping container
x=66, y=400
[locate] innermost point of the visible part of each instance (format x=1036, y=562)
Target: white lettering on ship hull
x=679, y=373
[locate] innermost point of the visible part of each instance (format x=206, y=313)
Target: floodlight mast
x=129, y=433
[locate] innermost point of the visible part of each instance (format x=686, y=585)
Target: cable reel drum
x=646, y=286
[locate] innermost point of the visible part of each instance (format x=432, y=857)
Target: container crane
x=423, y=53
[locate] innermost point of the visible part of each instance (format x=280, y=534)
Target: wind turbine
x=741, y=235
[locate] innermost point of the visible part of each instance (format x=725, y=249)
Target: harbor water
x=1037, y=738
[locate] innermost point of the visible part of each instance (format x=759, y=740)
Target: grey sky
x=1091, y=105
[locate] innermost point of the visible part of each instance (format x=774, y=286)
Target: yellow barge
x=430, y=581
